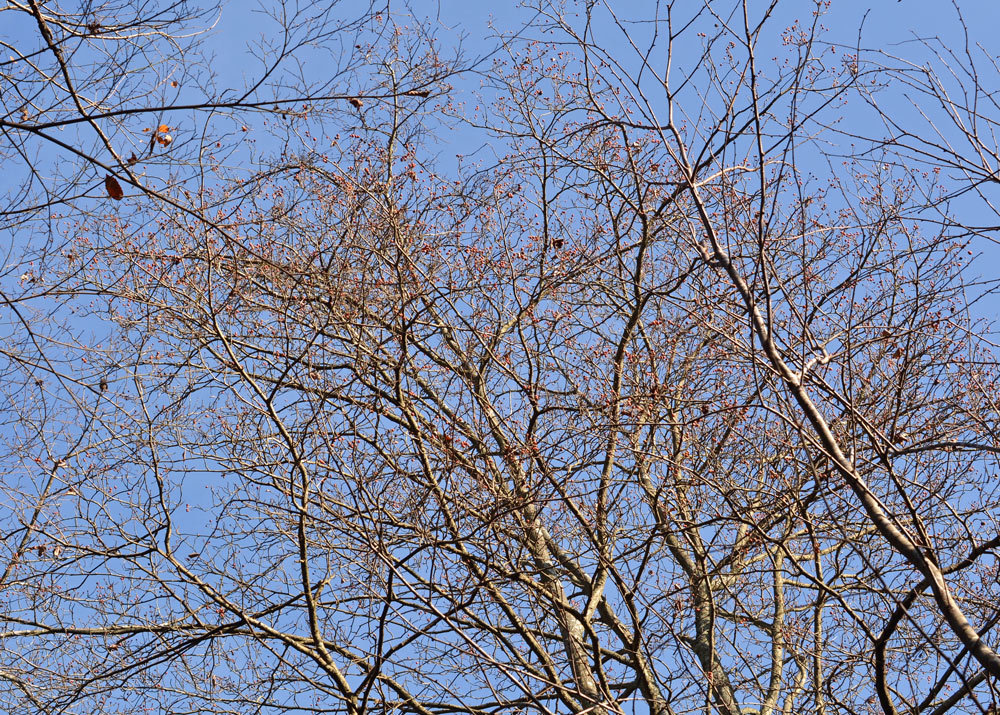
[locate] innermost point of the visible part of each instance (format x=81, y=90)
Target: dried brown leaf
x=113, y=187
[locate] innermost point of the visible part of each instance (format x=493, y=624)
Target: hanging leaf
x=113, y=187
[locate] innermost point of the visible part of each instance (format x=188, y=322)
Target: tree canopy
x=611, y=363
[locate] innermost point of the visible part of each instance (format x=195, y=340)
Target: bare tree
x=670, y=399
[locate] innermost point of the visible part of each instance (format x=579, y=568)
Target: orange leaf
x=163, y=129
x=113, y=187
x=355, y=102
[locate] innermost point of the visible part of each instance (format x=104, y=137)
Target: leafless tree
x=672, y=397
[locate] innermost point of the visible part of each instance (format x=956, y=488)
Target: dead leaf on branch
x=113, y=187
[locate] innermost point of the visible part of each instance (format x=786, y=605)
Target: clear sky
x=895, y=27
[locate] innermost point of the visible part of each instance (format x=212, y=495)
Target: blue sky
x=893, y=26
